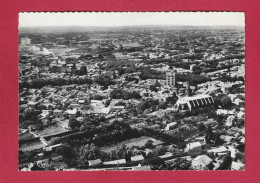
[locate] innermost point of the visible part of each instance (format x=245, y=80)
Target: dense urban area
x=132, y=98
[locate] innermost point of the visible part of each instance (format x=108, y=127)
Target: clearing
x=132, y=142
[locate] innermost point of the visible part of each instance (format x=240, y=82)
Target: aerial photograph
x=134, y=91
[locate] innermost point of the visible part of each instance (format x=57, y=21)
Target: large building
x=194, y=102
x=171, y=78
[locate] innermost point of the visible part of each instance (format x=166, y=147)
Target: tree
x=121, y=152
x=162, y=105
x=123, y=94
x=240, y=156
x=178, y=164
x=50, y=107
x=172, y=100
x=201, y=127
x=40, y=126
x=67, y=151
x=73, y=123
x=153, y=88
x=240, y=122
x=226, y=102
x=106, y=103
x=149, y=144
x=88, y=152
x=156, y=163
x=30, y=114
x=104, y=81
x=195, y=68
x=82, y=128
x=159, y=150
x=209, y=135
x=98, y=97
x=225, y=165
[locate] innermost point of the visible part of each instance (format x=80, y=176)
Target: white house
x=193, y=146
x=137, y=158
x=201, y=162
x=171, y=126
x=72, y=112
x=230, y=121
x=94, y=162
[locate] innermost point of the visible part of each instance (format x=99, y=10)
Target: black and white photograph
x=131, y=91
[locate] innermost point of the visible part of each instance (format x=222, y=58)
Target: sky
x=131, y=19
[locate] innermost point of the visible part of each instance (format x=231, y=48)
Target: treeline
x=114, y=133
x=215, y=68
x=177, y=60
x=227, y=78
x=122, y=94
x=84, y=146
x=39, y=83
x=193, y=79
x=183, y=65
x=104, y=81
x=28, y=117
x=147, y=73
x=101, y=136
x=146, y=106
x=178, y=63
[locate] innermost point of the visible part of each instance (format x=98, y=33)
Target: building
x=230, y=121
x=171, y=126
x=117, y=108
x=171, y=78
x=201, y=162
x=137, y=158
x=72, y=112
x=193, y=102
x=194, y=146
x=219, y=151
x=115, y=162
x=94, y=162
x=237, y=166
x=141, y=168
x=187, y=88
x=50, y=148
x=32, y=104
x=45, y=114
x=226, y=88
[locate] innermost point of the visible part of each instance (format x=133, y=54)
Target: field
x=133, y=142
x=50, y=130
x=32, y=146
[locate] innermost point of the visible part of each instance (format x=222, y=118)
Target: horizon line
x=159, y=25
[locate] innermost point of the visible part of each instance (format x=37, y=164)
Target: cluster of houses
x=45, y=112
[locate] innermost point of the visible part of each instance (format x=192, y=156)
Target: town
x=132, y=98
